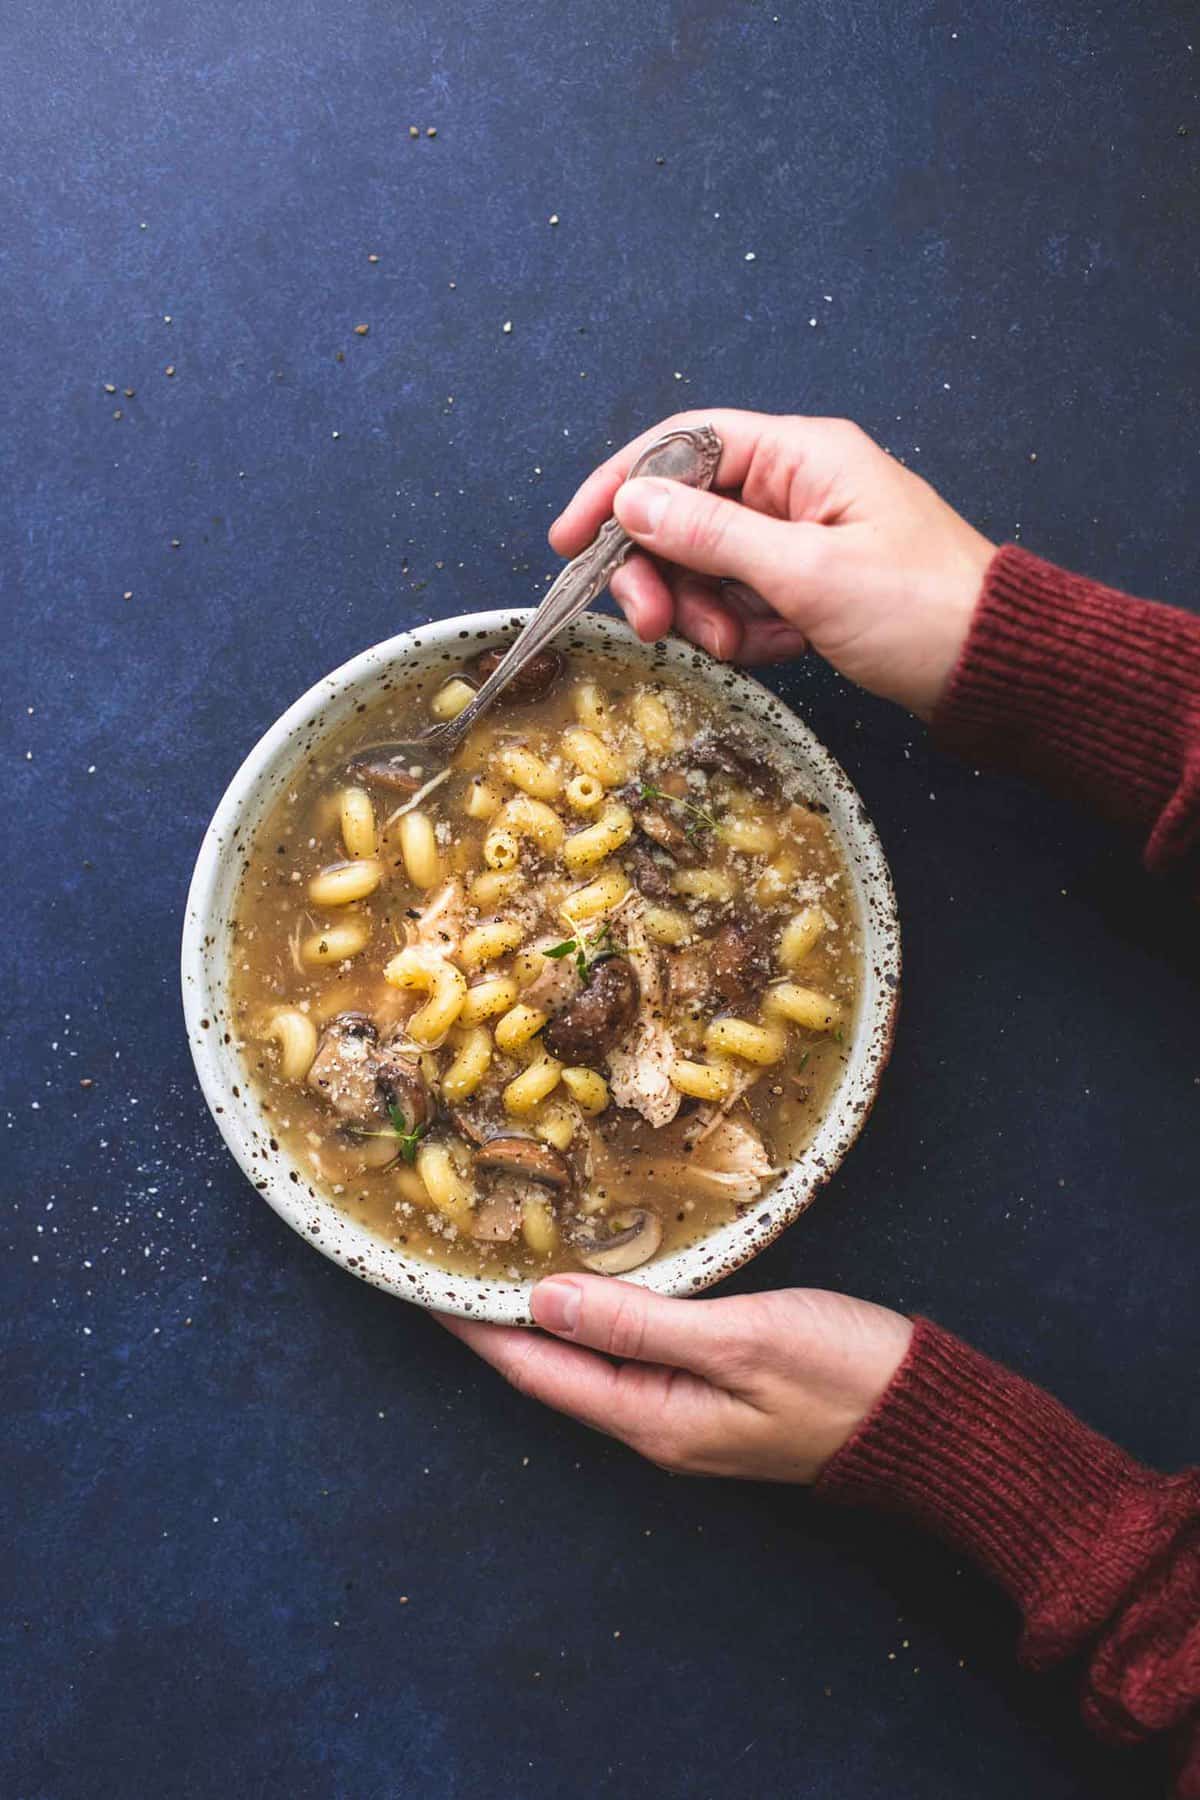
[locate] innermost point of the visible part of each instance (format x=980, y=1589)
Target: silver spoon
x=690, y=456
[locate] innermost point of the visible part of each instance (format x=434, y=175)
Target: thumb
x=707, y=533
x=630, y=1322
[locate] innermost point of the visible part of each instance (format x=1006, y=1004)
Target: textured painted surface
x=266, y=1531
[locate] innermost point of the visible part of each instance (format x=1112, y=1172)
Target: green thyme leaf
x=699, y=821
x=563, y=949
x=409, y=1137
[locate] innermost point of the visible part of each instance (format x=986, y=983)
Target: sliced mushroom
x=616, y=1252
x=402, y=1088
x=737, y=760
x=469, y=1124
x=650, y=878
x=387, y=768
x=361, y=1080
x=598, y=1017
x=689, y=976
x=526, y=1158
x=344, y=1069
x=739, y=959
x=536, y=678
x=666, y=832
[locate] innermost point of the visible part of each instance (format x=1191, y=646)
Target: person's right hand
x=816, y=536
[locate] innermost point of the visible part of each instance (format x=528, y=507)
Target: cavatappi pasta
x=574, y=1007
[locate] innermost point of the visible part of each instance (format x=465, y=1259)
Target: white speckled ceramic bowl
x=273, y=764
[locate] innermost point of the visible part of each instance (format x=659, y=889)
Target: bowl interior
x=273, y=764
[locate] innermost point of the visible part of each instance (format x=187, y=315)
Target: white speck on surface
x=750, y=256
x=506, y=327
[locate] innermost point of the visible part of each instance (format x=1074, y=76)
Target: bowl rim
x=204, y=962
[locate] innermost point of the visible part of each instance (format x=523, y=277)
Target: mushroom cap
x=402, y=1086
x=623, y=1250
x=536, y=678
x=740, y=958
x=649, y=877
x=666, y=832
x=598, y=1017
x=525, y=1157
x=389, y=766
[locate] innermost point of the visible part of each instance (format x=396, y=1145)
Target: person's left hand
x=763, y=1386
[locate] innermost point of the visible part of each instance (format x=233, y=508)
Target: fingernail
x=640, y=505
x=710, y=639
x=556, y=1305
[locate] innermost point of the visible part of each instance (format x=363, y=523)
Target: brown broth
x=617, y=1159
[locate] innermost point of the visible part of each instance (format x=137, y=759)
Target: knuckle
x=766, y=481
x=854, y=439
x=705, y=528
x=626, y=1331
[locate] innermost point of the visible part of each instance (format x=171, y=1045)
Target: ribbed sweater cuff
x=1092, y=692
x=992, y=1463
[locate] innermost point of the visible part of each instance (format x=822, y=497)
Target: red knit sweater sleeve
x=1096, y=695
x=1101, y=1554
x=1088, y=691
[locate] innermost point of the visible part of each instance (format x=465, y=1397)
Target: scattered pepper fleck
x=86, y=1081
x=109, y=388
x=414, y=131
x=117, y=414
x=361, y=330
x=129, y=393
x=431, y=131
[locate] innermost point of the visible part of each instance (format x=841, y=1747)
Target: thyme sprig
x=399, y=1129
x=589, y=949
x=409, y=1137
x=699, y=820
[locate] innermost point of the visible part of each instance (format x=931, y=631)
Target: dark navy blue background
x=267, y=1531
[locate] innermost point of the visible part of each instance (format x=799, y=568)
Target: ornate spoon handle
x=690, y=456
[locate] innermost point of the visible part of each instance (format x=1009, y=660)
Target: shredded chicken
x=732, y=1160
x=441, y=921
x=639, y=1069
x=706, y=1118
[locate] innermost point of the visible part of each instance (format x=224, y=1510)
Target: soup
x=573, y=1004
